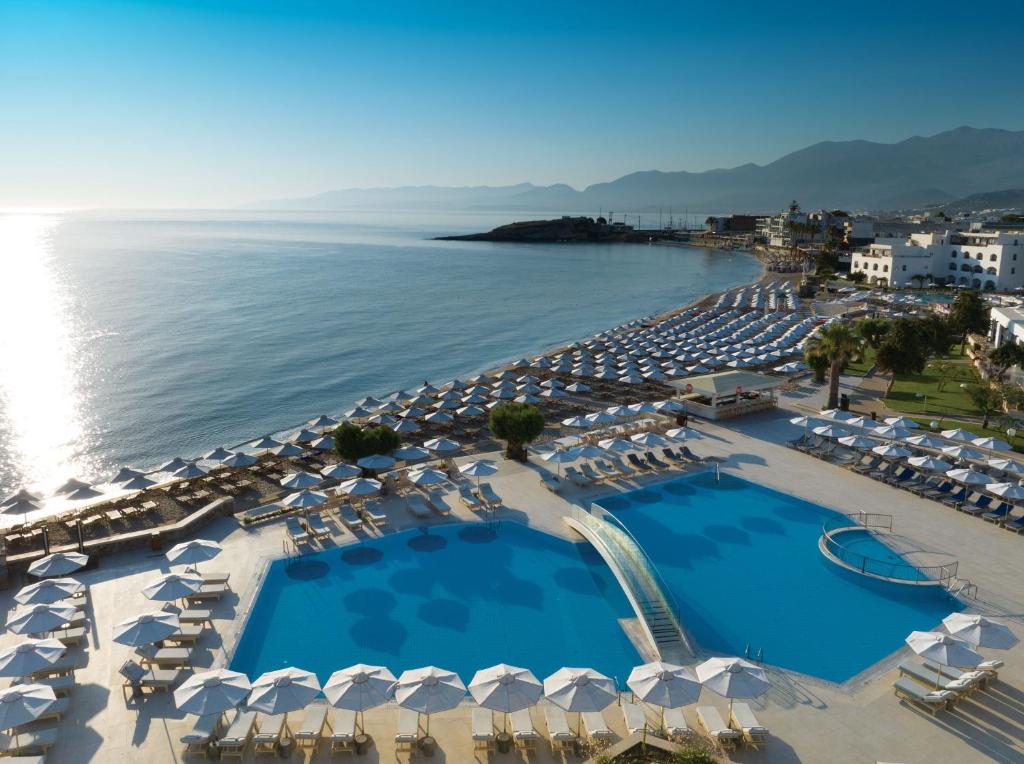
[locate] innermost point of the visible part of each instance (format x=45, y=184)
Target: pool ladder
x=759, y=659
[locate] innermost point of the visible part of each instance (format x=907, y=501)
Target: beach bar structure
x=727, y=394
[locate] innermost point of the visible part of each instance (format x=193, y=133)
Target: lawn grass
x=863, y=366
x=940, y=382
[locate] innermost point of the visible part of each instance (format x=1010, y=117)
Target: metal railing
x=636, y=566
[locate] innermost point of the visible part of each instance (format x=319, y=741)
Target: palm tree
x=839, y=344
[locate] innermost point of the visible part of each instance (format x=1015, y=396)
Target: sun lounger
x=268, y=735
x=588, y=472
x=1016, y=524
x=417, y=505
x=312, y=728
x=634, y=717
x=932, y=679
x=983, y=674
x=867, y=464
x=34, y=742
x=236, y=739
x=66, y=664
x=675, y=726
x=998, y=514
x=596, y=728
x=550, y=482
x=943, y=488
x=408, y=732
x=215, y=577
x=25, y=760
x=435, y=500
x=483, y=729
x=609, y=472
x=953, y=498
x=61, y=685
x=467, y=497
x=624, y=469
x=371, y=510
x=688, y=454
x=900, y=476
x=295, y=531
x=349, y=517
x=639, y=465
x=559, y=734
x=315, y=525
x=717, y=729
x=209, y=592
x=576, y=477
x=655, y=462
x=187, y=634
x=53, y=713
x=524, y=733
x=742, y=719
x=673, y=457
x=70, y=637
x=202, y=734
x=343, y=730
x=165, y=657
x=487, y=495
x=931, y=700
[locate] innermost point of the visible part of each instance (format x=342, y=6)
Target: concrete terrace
x=810, y=720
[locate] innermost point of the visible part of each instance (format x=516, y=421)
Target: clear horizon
x=212, y=105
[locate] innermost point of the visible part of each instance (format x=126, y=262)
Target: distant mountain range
x=855, y=175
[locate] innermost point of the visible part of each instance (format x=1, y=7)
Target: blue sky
x=217, y=103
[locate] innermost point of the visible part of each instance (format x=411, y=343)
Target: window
x=953, y=254
x=874, y=266
x=1014, y=255
x=885, y=268
x=978, y=256
x=965, y=267
x=952, y=266
x=990, y=271
x=1013, y=271
x=904, y=267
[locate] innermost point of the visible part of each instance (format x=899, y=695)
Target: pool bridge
x=639, y=578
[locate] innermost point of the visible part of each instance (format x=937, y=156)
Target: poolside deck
x=810, y=720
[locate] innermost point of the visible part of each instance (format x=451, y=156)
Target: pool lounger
x=609, y=472
x=268, y=735
x=932, y=700
x=215, y=577
x=483, y=729
x=588, y=472
x=596, y=728
x=524, y=733
x=70, y=637
x=209, y=592
x=467, y=497
x=983, y=673
x=349, y=518
x=933, y=678
x=655, y=462
x=61, y=685
x=236, y=739
x=343, y=730
x=688, y=454
x=675, y=725
x=417, y=505
x=635, y=461
x=559, y=734
x=576, y=477
x=742, y=719
x=316, y=527
x=487, y=495
x=37, y=741
x=672, y=456
x=435, y=500
x=372, y=512
x=550, y=482
x=66, y=664
x=408, y=732
x=634, y=717
x=295, y=531
x=53, y=712
x=712, y=723
x=165, y=657
x=202, y=734
x=187, y=634
x=312, y=728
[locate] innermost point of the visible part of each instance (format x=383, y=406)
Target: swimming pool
x=744, y=566
x=462, y=597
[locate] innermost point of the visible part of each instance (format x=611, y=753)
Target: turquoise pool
x=744, y=566
x=462, y=597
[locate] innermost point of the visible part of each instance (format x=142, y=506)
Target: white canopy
x=212, y=692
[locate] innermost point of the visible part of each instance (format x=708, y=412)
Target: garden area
x=936, y=390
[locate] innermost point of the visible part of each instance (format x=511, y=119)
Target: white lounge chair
x=269, y=732
x=32, y=742
x=933, y=679
x=372, y=512
x=208, y=592
x=315, y=525
x=408, y=732
x=199, y=738
x=576, y=477
x=349, y=517
x=675, y=724
x=932, y=700
x=717, y=729
x=550, y=482
x=483, y=729
x=524, y=733
x=312, y=728
x=343, y=730
x=295, y=531
x=596, y=728
x=634, y=717
x=236, y=739
x=488, y=496
x=417, y=505
x=467, y=497
x=187, y=634
x=559, y=734
x=742, y=719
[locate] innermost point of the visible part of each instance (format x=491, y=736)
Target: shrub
x=352, y=442
x=517, y=424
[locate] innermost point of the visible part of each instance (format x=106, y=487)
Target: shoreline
x=61, y=506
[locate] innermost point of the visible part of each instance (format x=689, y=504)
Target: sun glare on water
x=40, y=420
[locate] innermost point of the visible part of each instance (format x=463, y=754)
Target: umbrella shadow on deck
x=993, y=743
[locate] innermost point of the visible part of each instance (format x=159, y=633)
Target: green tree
x=839, y=344
x=1003, y=357
x=968, y=315
x=987, y=397
x=818, y=364
x=936, y=333
x=873, y=330
x=906, y=348
x=517, y=424
x=352, y=442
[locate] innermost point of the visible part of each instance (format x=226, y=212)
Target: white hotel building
x=982, y=260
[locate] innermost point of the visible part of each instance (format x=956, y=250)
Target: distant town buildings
x=792, y=227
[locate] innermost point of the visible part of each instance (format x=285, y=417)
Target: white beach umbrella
x=505, y=689
x=992, y=444
x=382, y=420
x=36, y=619
x=326, y=443
x=305, y=436
x=861, y=421
x=902, y=421
x=413, y=412
x=831, y=431
x=442, y=445
x=578, y=387
x=30, y=656
x=439, y=417
x=963, y=452
x=212, y=692
x=891, y=451
x=1009, y=491
x=980, y=631
x=479, y=468
x=429, y=690
x=600, y=417
x=805, y=421
x=580, y=690
x=287, y=450
x=943, y=649
x=369, y=402
x=669, y=406
x=969, y=477
x=560, y=457
x=926, y=441
x=360, y=687
x=359, y=413
x=858, y=441
x=376, y=462
x=644, y=407
x=836, y=415
x=733, y=678
x=193, y=551
x=282, y=691
x=71, y=485
x=890, y=432
x=589, y=451
x=58, y=564
x=617, y=444
x=664, y=685
x=578, y=422
x=360, y=487
x=790, y=368
x=146, y=628
x=239, y=459
x=929, y=463
x=340, y=470
x=305, y=499
x=217, y=455
x=959, y=434
x=426, y=477
x=411, y=453
x=1007, y=465
x=49, y=590
x=173, y=586
x=648, y=439
x=138, y=484
x=405, y=426
x=173, y=465
x=471, y=410
x=266, y=443
x=299, y=480
x=82, y=493
x=124, y=474
x=322, y=422
x=23, y=704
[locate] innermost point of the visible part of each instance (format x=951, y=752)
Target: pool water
x=743, y=564
x=461, y=597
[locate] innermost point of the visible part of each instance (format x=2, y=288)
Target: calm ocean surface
x=131, y=338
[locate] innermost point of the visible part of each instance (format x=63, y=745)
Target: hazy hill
x=853, y=174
